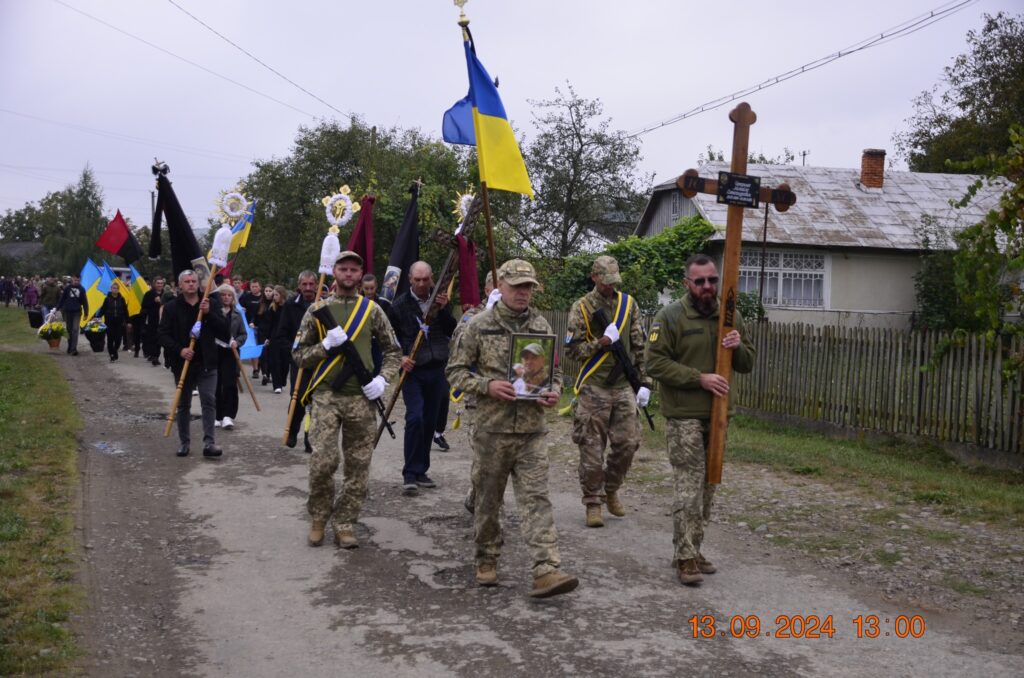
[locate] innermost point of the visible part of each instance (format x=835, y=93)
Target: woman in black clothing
x=279, y=355
x=266, y=318
x=227, y=363
x=115, y=314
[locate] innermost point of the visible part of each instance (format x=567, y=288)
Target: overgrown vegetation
x=38, y=424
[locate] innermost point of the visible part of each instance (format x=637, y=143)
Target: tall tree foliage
x=586, y=177
x=968, y=114
x=290, y=222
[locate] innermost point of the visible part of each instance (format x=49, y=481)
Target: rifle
x=451, y=266
x=353, y=363
x=622, y=362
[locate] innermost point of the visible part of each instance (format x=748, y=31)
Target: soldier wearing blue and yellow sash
x=606, y=407
x=345, y=407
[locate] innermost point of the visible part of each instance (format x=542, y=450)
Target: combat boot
x=615, y=506
x=487, y=574
x=705, y=565
x=316, y=532
x=688, y=572
x=594, y=518
x=553, y=584
x=345, y=537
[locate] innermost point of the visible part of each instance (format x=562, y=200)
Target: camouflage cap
x=517, y=272
x=607, y=270
x=534, y=348
x=348, y=254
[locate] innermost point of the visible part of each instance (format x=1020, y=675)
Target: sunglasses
x=699, y=282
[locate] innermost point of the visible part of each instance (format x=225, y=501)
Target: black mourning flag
x=184, y=247
x=406, y=250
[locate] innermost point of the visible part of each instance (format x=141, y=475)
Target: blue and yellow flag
x=96, y=284
x=240, y=231
x=139, y=287
x=479, y=119
x=251, y=348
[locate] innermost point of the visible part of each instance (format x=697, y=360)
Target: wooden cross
x=738, y=191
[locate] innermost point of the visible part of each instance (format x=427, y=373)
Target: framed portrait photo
x=531, y=364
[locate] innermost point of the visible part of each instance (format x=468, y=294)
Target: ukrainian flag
x=96, y=285
x=139, y=287
x=240, y=231
x=480, y=119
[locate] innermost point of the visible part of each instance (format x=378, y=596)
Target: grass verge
x=14, y=329
x=38, y=424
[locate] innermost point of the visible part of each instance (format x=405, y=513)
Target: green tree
x=969, y=113
x=23, y=225
x=585, y=175
x=648, y=266
x=717, y=155
x=70, y=221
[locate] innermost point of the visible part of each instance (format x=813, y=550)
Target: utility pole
x=803, y=157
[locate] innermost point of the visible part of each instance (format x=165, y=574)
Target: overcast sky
x=118, y=102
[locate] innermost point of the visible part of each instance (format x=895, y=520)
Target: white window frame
x=774, y=270
x=675, y=203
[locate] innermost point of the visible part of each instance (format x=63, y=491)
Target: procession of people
x=504, y=406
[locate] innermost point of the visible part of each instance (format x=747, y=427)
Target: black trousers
x=227, y=384
x=300, y=410
x=115, y=333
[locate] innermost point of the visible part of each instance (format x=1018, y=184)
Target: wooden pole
x=742, y=118
x=191, y=345
x=490, y=234
x=298, y=378
x=245, y=377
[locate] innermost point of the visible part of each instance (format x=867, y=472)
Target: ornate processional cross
x=739, y=191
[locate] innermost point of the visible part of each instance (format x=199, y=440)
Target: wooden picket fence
x=872, y=379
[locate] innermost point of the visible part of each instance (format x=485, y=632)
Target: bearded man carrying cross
x=681, y=357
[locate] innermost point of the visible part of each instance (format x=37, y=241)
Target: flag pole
x=298, y=376
x=490, y=233
x=245, y=377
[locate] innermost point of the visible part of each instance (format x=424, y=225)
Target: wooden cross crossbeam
x=738, y=191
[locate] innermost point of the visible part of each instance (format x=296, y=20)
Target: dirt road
x=200, y=567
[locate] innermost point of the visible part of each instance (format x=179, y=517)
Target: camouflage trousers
x=354, y=418
x=605, y=416
x=496, y=456
x=687, y=443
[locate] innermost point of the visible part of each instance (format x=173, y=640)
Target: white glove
x=335, y=337
x=196, y=329
x=612, y=332
x=643, y=396
x=375, y=389
x=493, y=298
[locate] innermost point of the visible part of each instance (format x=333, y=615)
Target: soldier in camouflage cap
x=344, y=408
x=509, y=433
x=606, y=407
x=681, y=357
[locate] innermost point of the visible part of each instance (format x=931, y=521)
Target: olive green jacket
x=680, y=348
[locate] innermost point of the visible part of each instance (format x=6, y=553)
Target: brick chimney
x=872, y=168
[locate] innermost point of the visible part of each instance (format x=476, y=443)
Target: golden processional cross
x=738, y=191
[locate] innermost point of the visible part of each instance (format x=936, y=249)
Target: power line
x=103, y=171
x=215, y=155
x=257, y=59
x=181, y=58
x=896, y=32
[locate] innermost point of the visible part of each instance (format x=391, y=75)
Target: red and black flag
x=184, y=248
x=406, y=250
x=361, y=241
x=118, y=239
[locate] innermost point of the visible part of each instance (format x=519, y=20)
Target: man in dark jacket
x=152, y=302
x=249, y=300
x=177, y=325
x=425, y=386
x=114, y=312
x=284, y=339
x=73, y=304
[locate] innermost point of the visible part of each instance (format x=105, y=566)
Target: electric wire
x=258, y=60
x=181, y=58
x=908, y=27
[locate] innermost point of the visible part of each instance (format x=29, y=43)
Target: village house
x=847, y=252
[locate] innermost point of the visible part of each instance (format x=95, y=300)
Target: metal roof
x=834, y=210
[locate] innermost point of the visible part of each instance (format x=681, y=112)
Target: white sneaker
x=227, y=423
x=216, y=423
x=277, y=390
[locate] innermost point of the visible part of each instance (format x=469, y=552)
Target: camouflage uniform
x=346, y=411
x=605, y=413
x=468, y=402
x=508, y=436
x=681, y=348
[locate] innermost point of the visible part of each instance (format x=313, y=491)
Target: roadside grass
x=38, y=425
x=14, y=328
